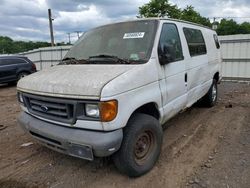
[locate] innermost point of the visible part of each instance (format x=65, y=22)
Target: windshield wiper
x=72, y=60
x=105, y=56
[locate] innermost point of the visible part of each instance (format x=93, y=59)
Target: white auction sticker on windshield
x=137, y=35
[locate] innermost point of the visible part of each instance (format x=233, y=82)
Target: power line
x=228, y=17
x=78, y=33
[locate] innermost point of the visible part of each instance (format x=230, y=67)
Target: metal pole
x=214, y=26
x=51, y=28
x=69, y=37
x=61, y=54
x=41, y=61
x=78, y=34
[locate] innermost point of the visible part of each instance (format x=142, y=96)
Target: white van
x=117, y=86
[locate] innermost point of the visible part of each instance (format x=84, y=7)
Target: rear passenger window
x=216, y=40
x=19, y=61
x=4, y=62
x=1, y=62
x=12, y=61
x=195, y=41
x=171, y=40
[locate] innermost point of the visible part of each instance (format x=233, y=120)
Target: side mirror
x=166, y=53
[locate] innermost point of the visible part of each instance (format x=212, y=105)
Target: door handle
x=186, y=77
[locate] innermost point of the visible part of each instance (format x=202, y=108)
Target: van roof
x=183, y=21
x=157, y=18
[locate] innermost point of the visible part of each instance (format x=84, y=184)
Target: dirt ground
x=202, y=147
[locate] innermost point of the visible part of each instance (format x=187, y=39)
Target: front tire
x=141, y=145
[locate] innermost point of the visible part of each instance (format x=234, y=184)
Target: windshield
x=120, y=43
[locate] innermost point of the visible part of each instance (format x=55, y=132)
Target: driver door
x=175, y=95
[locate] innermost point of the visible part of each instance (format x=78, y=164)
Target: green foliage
x=230, y=27
x=189, y=14
x=244, y=28
x=161, y=8
x=5, y=44
x=8, y=46
x=227, y=27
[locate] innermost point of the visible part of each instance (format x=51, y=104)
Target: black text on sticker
x=136, y=35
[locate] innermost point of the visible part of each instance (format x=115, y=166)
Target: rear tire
x=141, y=145
x=210, y=99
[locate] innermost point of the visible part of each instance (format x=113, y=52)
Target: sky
x=28, y=19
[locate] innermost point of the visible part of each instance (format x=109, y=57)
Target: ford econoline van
x=117, y=86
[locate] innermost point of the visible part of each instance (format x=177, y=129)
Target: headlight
x=105, y=111
x=92, y=110
x=20, y=97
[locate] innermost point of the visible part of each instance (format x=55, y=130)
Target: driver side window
x=170, y=44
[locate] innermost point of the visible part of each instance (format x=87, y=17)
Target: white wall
x=235, y=56
x=46, y=57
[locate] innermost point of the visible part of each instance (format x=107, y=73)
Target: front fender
x=129, y=101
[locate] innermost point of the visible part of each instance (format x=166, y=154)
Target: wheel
x=210, y=98
x=22, y=74
x=141, y=145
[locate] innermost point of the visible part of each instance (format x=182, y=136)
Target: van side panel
x=201, y=68
x=214, y=58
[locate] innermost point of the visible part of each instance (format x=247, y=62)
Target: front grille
x=61, y=110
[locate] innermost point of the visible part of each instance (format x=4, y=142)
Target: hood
x=138, y=77
x=73, y=81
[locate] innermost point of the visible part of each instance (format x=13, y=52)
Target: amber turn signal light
x=108, y=110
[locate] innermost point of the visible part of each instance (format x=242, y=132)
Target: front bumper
x=75, y=142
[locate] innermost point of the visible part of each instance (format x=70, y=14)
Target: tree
x=189, y=14
x=159, y=8
x=162, y=8
x=8, y=46
x=5, y=44
x=244, y=28
x=228, y=27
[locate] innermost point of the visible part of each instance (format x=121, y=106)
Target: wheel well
x=150, y=109
x=23, y=71
x=216, y=76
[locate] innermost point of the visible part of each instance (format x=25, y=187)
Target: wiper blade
x=72, y=60
x=105, y=56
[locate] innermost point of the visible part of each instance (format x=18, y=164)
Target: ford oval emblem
x=44, y=108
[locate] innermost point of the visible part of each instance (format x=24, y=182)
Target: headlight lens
x=105, y=111
x=92, y=110
x=20, y=97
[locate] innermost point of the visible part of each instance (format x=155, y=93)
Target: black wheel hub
x=143, y=146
